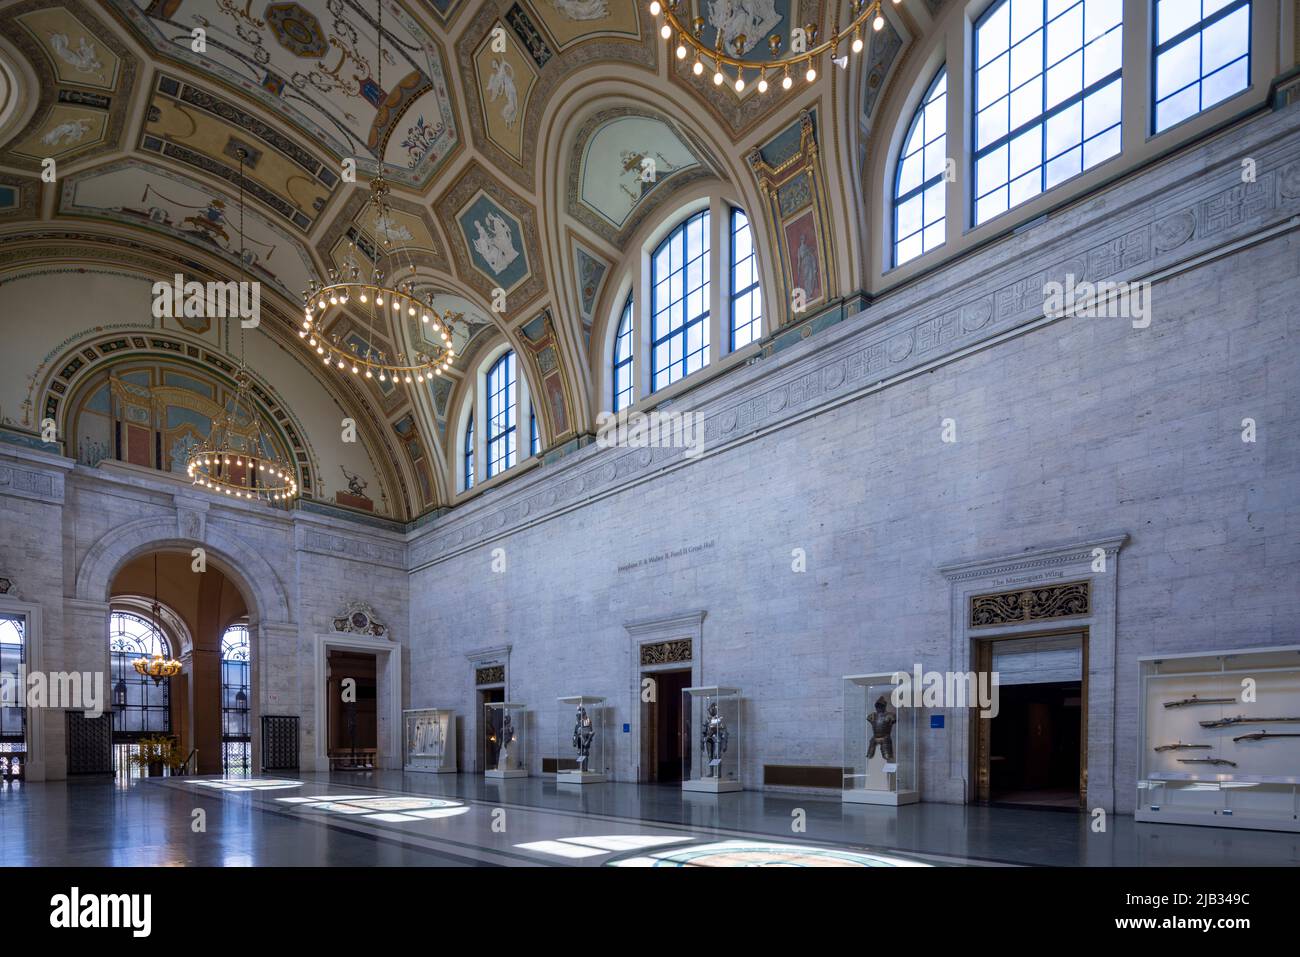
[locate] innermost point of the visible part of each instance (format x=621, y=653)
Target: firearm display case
x=429, y=740
x=1219, y=739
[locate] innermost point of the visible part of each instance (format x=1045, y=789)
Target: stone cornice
x=1149, y=226
x=657, y=626
x=1035, y=559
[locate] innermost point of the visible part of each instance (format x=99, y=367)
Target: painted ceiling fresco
x=317, y=62
x=525, y=141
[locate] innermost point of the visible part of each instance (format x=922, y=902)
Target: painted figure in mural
x=496, y=244
x=714, y=739
x=505, y=738
x=807, y=267
x=584, y=732
x=582, y=9
x=749, y=18
x=882, y=730
x=501, y=86
x=82, y=59
x=355, y=484
x=72, y=131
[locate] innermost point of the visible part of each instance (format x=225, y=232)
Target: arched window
x=468, y=475
x=1047, y=96
x=623, y=392
x=679, y=302
x=501, y=450
x=13, y=716
x=534, y=435
x=236, y=736
x=141, y=706
x=1202, y=54
x=919, y=184
x=746, y=297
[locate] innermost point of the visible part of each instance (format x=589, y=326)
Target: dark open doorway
x=483, y=759
x=661, y=726
x=1034, y=746
x=352, y=699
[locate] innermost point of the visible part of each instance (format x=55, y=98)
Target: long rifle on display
x=1242, y=719
x=1264, y=735
x=1184, y=747
x=1184, y=702
x=1215, y=761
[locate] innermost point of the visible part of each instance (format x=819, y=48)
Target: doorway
x=662, y=727
x=483, y=759
x=1033, y=752
x=352, y=697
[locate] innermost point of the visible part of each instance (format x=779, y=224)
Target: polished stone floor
x=391, y=818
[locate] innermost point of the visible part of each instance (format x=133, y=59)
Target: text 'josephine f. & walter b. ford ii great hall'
x=691, y=433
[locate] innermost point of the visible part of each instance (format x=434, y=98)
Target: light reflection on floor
x=743, y=853
x=391, y=810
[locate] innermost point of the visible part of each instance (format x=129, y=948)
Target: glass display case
x=583, y=736
x=1219, y=739
x=711, y=739
x=429, y=740
x=879, y=743
x=507, y=741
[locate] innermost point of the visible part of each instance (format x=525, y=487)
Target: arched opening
x=161, y=603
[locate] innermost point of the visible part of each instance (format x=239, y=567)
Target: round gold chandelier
x=728, y=51
x=230, y=461
x=377, y=296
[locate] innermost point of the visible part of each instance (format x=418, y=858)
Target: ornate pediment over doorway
x=359, y=618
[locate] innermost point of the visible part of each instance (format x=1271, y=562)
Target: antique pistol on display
x=1262, y=735
x=1184, y=702
x=1183, y=747
x=1242, y=719
x=1215, y=761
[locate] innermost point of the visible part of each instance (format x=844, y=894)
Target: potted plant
x=154, y=754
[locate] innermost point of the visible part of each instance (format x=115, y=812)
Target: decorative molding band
x=666, y=652
x=352, y=547
x=29, y=483
x=690, y=621
x=1036, y=559
x=1139, y=231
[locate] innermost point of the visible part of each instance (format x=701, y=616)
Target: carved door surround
x=488, y=668
x=658, y=644
x=1031, y=573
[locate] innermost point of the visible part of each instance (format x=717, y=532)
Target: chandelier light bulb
x=811, y=75
x=363, y=297
x=740, y=83
x=698, y=68
x=666, y=31
x=368, y=376
x=786, y=82
x=655, y=9
x=681, y=50
x=718, y=78
x=762, y=83
x=878, y=24
x=379, y=300
x=355, y=370
x=340, y=363
x=857, y=44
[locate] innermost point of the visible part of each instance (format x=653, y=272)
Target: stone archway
x=264, y=594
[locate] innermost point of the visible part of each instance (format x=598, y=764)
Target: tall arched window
x=534, y=434
x=1202, y=54
x=13, y=716
x=746, y=298
x=467, y=476
x=919, y=184
x=679, y=302
x=1047, y=96
x=623, y=392
x=141, y=706
x=501, y=449
x=236, y=735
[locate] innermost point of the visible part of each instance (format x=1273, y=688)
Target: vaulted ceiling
x=530, y=116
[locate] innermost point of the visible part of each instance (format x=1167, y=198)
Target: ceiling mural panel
x=85, y=77
x=626, y=162
x=142, y=195
x=316, y=62
x=494, y=238
x=505, y=82
x=203, y=131
x=542, y=70
x=758, y=20
x=572, y=21
x=78, y=56
x=590, y=270
x=356, y=235
x=18, y=197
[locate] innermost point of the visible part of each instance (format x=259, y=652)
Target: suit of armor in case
x=506, y=739
x=712, y=738
x=879, y=743
x=583, y=740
